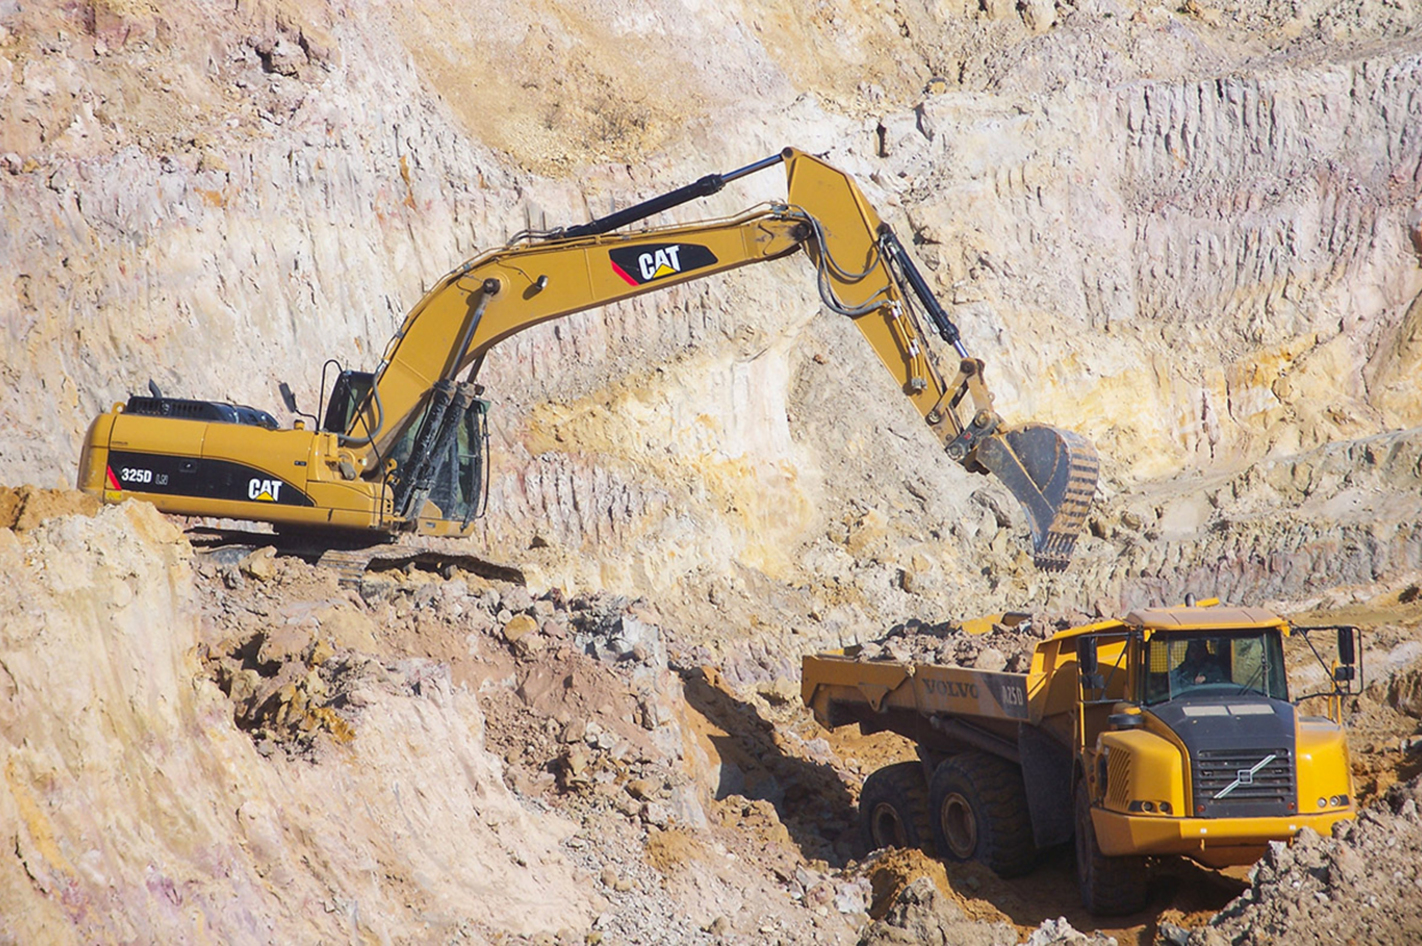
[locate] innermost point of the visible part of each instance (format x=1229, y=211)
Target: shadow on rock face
x=754, y=762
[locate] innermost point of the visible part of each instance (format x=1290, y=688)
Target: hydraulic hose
x=894, y=251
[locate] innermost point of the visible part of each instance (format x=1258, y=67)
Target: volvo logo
x=1246, y=776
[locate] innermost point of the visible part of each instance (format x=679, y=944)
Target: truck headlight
x=1149, y=807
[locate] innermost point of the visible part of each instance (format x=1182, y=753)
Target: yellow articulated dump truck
x=1169, y=731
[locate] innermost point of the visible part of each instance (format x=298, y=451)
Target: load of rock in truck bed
x=997, y=642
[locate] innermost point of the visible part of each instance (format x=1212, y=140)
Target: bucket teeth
x=1053, y=473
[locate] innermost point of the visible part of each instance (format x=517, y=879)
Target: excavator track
x=348, y=564
x=353, y=561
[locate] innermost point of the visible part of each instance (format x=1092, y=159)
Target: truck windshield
x=1214, y=663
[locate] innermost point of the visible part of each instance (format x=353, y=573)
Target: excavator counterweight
x=402, y=448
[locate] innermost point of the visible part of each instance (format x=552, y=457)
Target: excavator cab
x=347, y=395
x=439, y=477
x=449, y=481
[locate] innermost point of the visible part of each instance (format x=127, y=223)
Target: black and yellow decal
x=205, y=479
x=639, y=265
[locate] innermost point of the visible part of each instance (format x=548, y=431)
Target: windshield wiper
x=1263, y=665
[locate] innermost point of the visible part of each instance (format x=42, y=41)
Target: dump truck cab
x=1190, y=743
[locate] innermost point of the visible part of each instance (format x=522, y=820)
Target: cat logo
x=639, y=265
x=664, y=262
x=267, y=491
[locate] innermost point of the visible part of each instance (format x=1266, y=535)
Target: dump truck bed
x=952, y=707
x=948, y=707
x=927, y=689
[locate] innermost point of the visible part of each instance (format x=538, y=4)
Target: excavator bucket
x=1052, y=473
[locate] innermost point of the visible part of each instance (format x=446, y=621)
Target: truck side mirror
x=1086, y=664
x=1086, y=655
x=1347, y=646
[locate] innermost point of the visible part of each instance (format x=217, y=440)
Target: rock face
x=1212, y=235
x=1195, y=271
x=139, y=811
x=1190, y=233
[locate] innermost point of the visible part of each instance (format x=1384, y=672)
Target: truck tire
x=979, y=807
x=1110, y=886
x=893, y=808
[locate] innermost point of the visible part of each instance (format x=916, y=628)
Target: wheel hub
x=886, y=826
x=960, y=827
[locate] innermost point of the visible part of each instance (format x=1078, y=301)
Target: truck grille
x=1118, y=781
x=1235, y=783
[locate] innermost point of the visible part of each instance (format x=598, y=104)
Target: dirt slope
x=138, y=810
x=249, y=750
x=1190, y=233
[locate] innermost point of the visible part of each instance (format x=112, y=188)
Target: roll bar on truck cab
x=1167, y=732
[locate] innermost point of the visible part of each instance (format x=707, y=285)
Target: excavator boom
x=401, y=448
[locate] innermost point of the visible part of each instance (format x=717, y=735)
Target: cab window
x=1214, y=664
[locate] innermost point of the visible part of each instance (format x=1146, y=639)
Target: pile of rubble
x=921, y=914
x=1362, y=885
x=680, y=822
x=1001, y=643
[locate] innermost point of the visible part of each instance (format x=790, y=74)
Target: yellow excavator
x=404, y=448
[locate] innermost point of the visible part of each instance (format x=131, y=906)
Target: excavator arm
x=862, y=270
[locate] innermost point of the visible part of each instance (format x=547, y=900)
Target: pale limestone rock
x=1039, y=15
x=260, y=564
x=92, y=677
x=990, y=659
